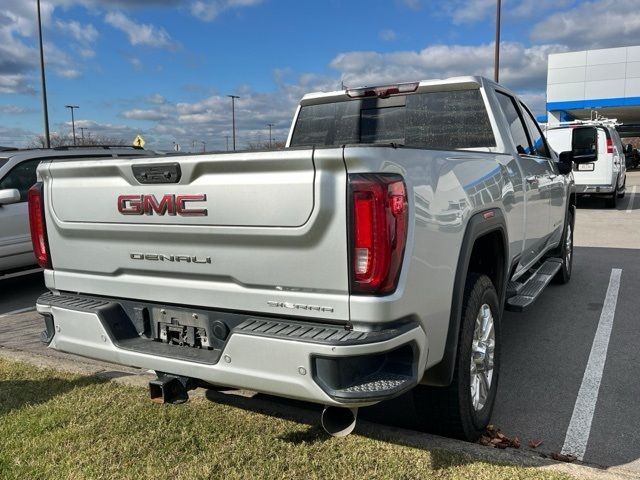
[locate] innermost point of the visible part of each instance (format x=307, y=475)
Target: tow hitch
x=170, y=388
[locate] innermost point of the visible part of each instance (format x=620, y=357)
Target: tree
x=275, y=145
x=58, y=140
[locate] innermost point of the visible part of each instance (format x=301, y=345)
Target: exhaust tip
x=339, y=421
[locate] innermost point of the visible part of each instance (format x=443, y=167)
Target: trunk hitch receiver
x=170, y=388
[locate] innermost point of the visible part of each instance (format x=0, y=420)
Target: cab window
x=537, y=138
x=21, y=177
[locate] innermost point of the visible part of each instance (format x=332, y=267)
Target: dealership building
x=581, y=85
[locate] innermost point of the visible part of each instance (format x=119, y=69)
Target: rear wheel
x=463, y=409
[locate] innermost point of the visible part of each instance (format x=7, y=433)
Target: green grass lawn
x=57, y=425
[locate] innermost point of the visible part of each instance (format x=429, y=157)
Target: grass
x=55, y=425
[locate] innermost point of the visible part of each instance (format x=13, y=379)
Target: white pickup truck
x=371, y=257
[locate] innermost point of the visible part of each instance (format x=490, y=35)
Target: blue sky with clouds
x=163, y=68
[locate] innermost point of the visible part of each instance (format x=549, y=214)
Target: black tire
x=612, y=201
x=449, y=410
x=566, y=251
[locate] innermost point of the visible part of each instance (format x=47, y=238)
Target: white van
x=606, y=177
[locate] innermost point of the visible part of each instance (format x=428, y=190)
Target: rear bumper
x=594, y=189
x=320, y=363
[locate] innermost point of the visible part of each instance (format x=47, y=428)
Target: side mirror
x=628, y=149
x=565, y=163
x=584, y=144
x=9, y=195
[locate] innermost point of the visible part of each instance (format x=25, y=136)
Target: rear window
x=439, y=120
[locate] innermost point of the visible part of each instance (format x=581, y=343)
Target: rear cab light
x=383, y=91
x=378, y=232
x=35, y=198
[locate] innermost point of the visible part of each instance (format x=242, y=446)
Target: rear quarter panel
x=445, y=189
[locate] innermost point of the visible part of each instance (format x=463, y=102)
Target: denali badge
x=168, y=205
x=299, y=306
x=158, y=257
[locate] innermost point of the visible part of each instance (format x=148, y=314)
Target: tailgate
x=262, y=231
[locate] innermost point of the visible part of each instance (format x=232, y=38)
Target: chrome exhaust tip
x=339, y=421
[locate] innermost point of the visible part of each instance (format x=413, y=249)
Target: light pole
x=270, y=125
x=45, y=110
x=73, y=122
x=82, y=129
x=227, y=137
x=204, y=146
x=496, y=65
x=233, y=117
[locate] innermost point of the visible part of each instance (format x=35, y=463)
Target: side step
x=522, y=295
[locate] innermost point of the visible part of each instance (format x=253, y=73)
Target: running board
x=522, y=295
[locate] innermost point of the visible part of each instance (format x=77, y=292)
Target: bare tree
x=58, y=140
x=275, y=145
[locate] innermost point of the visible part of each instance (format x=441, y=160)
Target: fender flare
x=441, y=374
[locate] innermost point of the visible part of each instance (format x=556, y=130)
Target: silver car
x=17, y=175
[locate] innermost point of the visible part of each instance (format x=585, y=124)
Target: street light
x=45, y=110
x=204, y=146
x=233, y=117
x=270, y=125
x=496, y=66
x=82, y=129
x=73, y=122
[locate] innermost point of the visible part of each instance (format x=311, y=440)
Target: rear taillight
x=38, y=227
x=609, y=145
x=378, y=221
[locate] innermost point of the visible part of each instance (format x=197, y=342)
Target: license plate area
x=188, y=329
x=586, y=167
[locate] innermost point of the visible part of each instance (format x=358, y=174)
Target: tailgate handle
x=157, y=173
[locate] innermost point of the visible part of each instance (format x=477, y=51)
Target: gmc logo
x=168, y=205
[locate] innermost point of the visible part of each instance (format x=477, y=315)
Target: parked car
x=606, y=175
x=371, y=257
x=17, y=175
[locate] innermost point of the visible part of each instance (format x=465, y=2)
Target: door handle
x=532, y=179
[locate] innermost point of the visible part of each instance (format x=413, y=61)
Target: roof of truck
x=453, y=83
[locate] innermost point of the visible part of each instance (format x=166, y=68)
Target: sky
x=163, y=68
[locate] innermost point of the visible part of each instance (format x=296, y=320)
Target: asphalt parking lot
x=569, y=368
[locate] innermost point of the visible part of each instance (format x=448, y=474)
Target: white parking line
x=20, y=310
x=579, y=429
x=631, y=198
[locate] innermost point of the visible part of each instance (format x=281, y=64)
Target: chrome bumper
x=594, y=189
x=256, y=354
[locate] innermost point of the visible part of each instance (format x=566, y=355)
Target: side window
x=21, y=177
x=514, y=120
x=537, y=138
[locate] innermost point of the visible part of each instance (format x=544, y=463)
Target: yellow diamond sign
x=138, y=141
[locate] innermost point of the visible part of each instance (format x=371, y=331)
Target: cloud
x=156, y=98
x=412, y=4
x=15, y=136
x=209, y=10
x=15, y=109
x=85, y=34
x=520, y=67
x=470, y=11
x=596, y=24
x=140, y=33
x=387, y=35
x=149, y=114
x=11, y=83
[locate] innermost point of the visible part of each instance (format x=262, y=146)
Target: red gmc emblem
x=168, y=205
